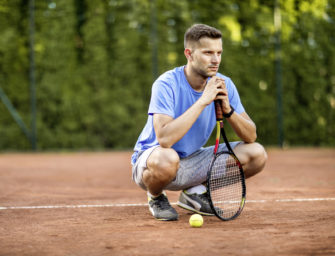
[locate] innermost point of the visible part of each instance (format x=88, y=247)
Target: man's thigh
x=193, y=169
x=246, y=151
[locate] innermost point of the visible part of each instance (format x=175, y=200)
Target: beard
x=204, y=72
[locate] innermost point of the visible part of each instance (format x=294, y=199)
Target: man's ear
x=188, y=53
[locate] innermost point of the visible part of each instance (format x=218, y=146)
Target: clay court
x=86, y=204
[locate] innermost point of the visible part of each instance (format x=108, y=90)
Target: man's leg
x=252, y=157
x=162, y=167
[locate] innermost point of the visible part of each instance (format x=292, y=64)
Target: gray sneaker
x=161, y=208
x=195, y=202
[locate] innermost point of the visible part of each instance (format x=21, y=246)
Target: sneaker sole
x=166, y=219
x=187, y=207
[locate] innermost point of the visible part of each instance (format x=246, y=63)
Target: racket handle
x=218, y=110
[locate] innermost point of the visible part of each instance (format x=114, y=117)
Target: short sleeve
x=162, y=99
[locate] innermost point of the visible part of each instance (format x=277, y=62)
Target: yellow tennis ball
x=196, y=221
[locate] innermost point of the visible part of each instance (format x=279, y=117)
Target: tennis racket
x=225, y=178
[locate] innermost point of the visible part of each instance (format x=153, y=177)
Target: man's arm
x=169, y=131
x=243, y=126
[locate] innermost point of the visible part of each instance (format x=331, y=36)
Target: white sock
x=199, y=189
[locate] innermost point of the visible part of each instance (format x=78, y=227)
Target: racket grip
x=218, y=110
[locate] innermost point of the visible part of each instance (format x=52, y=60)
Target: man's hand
x=212, y=89
x=223, y=95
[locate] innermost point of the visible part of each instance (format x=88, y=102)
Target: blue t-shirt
x=172, y=95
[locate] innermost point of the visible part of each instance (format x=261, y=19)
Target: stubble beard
x=203, y=72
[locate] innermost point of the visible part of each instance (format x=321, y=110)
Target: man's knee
x=259, y=153
x=253, y=158
x=257, y=161
x=164, y=163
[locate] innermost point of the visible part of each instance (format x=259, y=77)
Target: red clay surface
x=268, y=227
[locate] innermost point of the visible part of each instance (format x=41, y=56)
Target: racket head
x=226, y=186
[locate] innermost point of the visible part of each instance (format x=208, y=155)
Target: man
x=169, y=153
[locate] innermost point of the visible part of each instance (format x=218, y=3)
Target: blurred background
x=77, y=74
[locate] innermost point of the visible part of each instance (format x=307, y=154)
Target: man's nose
x=216, y=58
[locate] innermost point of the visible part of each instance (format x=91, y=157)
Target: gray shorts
x=192, y=169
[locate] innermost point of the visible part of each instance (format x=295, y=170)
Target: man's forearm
x=169, y=132
x=243, y=126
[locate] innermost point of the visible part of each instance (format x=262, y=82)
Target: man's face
x=206, y=56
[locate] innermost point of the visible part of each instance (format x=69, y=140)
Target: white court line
x=145, y=204
x=70, y=206
x=292, y=200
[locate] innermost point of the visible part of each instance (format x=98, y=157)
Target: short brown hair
x=197, y=31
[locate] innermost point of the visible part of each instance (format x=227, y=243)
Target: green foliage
x=95, y=64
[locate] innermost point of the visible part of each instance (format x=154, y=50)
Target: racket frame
x=221, y=131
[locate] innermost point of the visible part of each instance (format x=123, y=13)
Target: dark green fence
x=95, y=61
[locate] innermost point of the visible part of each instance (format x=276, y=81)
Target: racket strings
x=226, y=186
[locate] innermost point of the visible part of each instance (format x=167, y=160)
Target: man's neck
x=196, y=81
